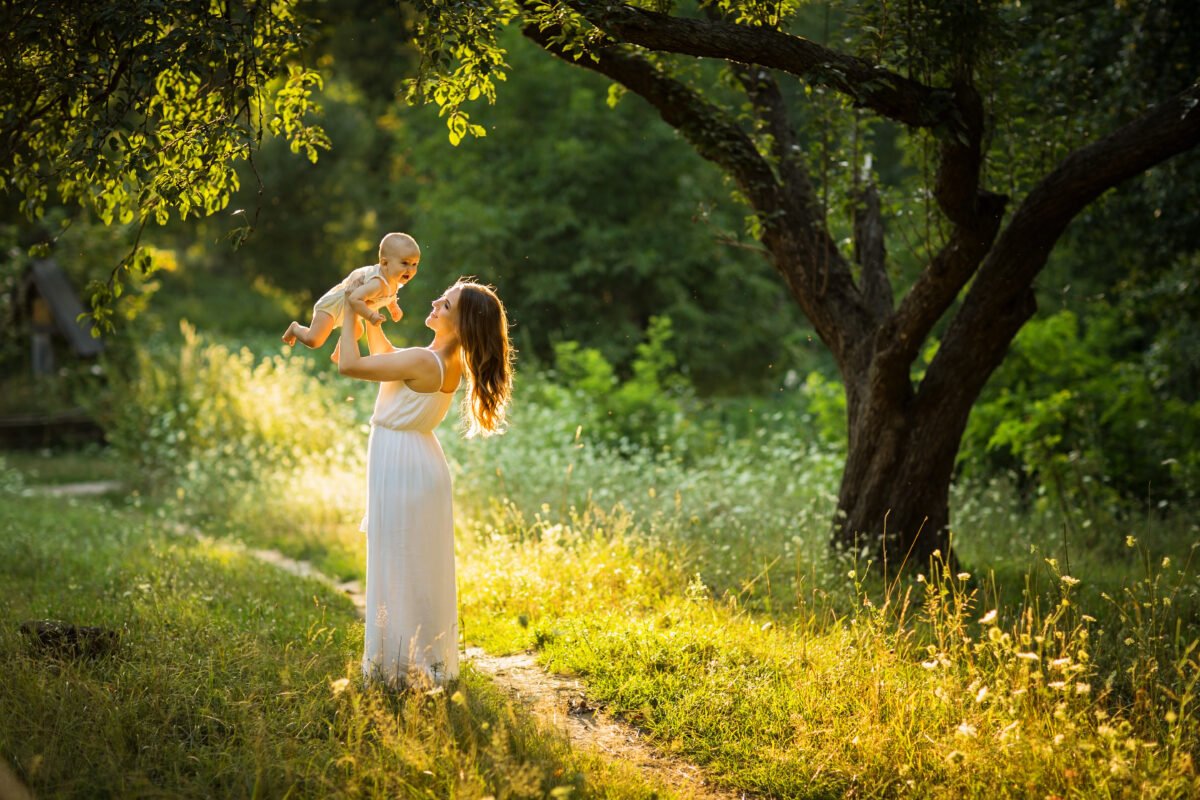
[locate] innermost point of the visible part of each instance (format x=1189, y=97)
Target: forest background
x=668, y=386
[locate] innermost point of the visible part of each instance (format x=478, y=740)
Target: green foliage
x=934, y=41
x=581, y=247
x=368, y=42
x=1088, y=418
x=139, y=109
x=196, y=408
x=313, y=221
x=698, y=596
x=646, y=409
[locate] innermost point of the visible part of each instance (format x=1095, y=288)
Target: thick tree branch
x=976, y=219
x=936, y=288
x=1000, y=299
x=956, y=187
x=713, y=134
x=763, y=92
x=828, y=297
x=885, y=92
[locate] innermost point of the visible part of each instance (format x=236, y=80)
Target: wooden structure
x=47, y=311
x=52, y=307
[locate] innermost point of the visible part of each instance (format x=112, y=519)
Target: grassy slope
x=933, y=701
x=228, y=681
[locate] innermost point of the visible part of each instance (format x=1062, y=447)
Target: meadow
x=678, y=563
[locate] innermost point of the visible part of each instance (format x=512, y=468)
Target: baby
x=365, y=289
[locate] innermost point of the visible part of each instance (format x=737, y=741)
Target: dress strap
x=441, y=369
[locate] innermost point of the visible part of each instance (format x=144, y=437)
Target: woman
x=412, y=608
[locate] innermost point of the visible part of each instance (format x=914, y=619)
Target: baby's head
x=399, y=256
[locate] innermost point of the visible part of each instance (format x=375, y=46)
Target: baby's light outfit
x=333, y=302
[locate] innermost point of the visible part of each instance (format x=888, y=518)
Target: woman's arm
x=413, y=365
x=377, y=341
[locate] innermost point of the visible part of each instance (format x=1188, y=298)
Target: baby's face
x=403, y=267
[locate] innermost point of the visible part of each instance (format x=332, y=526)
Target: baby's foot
x=289, y=336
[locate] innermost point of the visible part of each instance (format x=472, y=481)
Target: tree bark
x=893, y=505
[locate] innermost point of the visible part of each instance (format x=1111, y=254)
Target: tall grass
x=233, y=679
x=692, y=584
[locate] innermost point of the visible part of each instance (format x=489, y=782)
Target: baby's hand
x=375, y=318
x=394, y=309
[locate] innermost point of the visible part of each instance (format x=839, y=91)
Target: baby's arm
x=370, y=290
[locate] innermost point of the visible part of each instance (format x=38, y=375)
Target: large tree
x=963, y=90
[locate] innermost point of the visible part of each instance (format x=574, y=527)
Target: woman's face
x=443, y=316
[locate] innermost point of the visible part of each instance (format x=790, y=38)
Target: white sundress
x=412, y=605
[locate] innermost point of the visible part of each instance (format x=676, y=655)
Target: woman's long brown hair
x=487, y=356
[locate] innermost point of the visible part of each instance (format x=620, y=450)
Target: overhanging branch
x=815, y=272
x=883, y=91
x=1000, y=299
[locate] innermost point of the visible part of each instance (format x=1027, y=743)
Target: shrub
x=197, y=407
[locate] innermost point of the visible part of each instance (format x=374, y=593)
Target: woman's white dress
x=412, y=605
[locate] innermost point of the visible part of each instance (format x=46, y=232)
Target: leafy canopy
x=137, y=108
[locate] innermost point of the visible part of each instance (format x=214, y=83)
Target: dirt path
x=558, y=701
x=84, y=489
x=561, y=702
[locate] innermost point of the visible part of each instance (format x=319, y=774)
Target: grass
x=60, y=465
x=696, y=593
x=923, y=693
x=233, y=679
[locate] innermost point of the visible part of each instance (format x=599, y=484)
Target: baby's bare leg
x=312, y=336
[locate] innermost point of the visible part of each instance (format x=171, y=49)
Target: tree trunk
x=894, y=505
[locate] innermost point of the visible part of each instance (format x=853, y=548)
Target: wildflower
x=1057, y=684
x=988, y=617
x=962, y=576
x=966, y=729
x=1083, y=688
x=1131, y=541
x=1068, y=580
x=1029, y=656
x=982, y=694
x=339, y=686
x=1059, y=663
